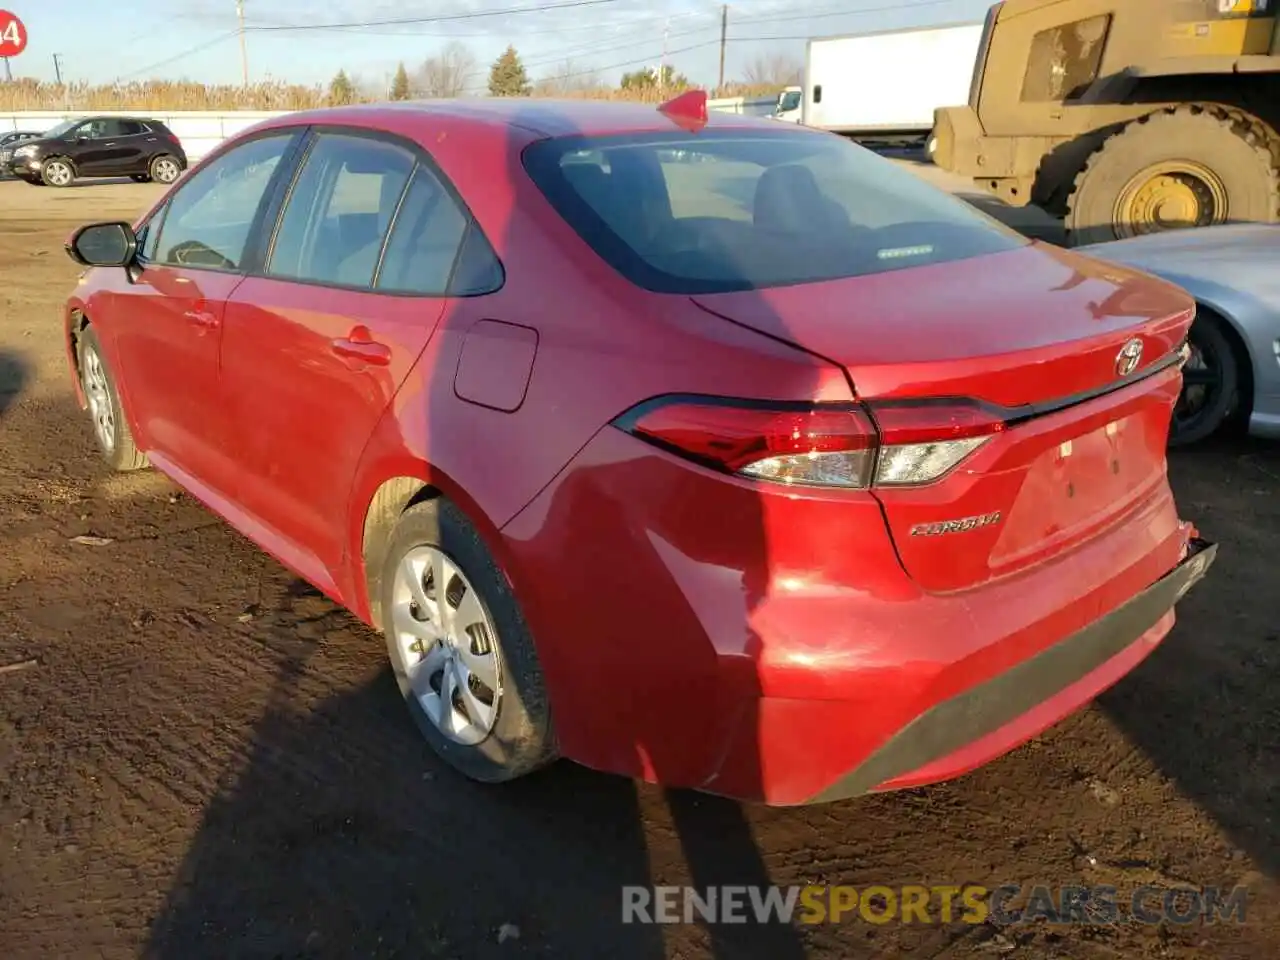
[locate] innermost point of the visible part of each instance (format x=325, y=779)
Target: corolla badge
x=1129, y=357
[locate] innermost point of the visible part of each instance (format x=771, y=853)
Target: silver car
x=1234, y=274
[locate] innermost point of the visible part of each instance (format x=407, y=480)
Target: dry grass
x=31, y=95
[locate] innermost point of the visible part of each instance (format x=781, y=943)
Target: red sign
x=13, y=35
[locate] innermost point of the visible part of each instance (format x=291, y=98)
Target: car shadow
x=1203, y=708
x=388, y=852
x=99, y=182
x=14, y=375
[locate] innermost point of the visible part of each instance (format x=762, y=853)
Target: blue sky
x=100, y=40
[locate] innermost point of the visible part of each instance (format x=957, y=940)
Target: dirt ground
x=209, y=760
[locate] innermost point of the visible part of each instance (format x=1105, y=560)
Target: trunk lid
x=1039, y=333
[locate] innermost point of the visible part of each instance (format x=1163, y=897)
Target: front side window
x=340, y=209
x=790, y=101
x=718, y=211
x=211, y=216
x=93, y=129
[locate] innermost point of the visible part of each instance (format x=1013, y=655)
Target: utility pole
x=724, y=40
x=57, y=67
x=244, y=50
x=8, y=71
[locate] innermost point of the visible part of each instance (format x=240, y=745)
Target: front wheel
x=459, y=648
x=1210, y=383
x=115, y=440
x=59, y=173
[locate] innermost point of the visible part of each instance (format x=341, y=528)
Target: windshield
x=789, y=101
x=62, y=129
x=739, y=210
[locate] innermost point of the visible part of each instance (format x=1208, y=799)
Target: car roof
x=538, y=118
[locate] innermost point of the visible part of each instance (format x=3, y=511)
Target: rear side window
x=340, y=211
x=718, y=211
x=424, y=244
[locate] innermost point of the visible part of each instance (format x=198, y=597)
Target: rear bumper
x=767, y=645
x=1011, y=707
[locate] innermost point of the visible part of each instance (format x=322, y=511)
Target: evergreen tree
x=507, y=76
x=400, y=84
x=341, y=90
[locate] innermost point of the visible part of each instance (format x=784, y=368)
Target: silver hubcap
x=445, y=643
x=98, y=394
x=166, y=171
x=58, y=173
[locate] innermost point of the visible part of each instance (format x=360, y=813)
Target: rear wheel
x=1194, y=166
x=59, y=173
x=165, y=169
x=461, y=653
x=1210, y=383
x=110, y=430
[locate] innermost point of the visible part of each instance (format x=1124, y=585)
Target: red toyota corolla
x=720, y=453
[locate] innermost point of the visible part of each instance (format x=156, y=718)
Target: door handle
x=201, y=318
x=359, y=345
x=111, y=144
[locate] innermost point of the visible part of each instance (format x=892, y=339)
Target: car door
x=168, y=333
x=316, y=348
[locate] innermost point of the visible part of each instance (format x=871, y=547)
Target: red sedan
x=712, y=451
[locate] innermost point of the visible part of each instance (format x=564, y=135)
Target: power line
x=442, y=18
x=199, y=48
x=825, y=12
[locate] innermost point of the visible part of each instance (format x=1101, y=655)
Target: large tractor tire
x=1190, y=166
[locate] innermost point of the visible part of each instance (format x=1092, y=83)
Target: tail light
x=853, y=445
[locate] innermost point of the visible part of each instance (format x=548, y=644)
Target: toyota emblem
x=1129, y=357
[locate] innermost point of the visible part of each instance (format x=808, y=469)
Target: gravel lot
x=208, y=760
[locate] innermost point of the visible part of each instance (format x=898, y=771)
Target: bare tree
x=447, y=74
x=567, y=79
x=774, y=70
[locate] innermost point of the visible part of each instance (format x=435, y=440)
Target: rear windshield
x=741, y=210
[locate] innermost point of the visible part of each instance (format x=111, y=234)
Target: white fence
x=200, y=132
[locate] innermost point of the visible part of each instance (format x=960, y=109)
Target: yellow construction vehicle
x=1124, y=117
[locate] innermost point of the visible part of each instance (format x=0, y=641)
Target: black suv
x=100, y=147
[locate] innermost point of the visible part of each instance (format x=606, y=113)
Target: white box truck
x=887, y=84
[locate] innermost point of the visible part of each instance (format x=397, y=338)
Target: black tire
x=164, y=169
x=52, y=178
x=1241, y=151
x=122, y=453
x=521, y=740
x=1209, y=395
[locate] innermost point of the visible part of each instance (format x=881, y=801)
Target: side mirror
x=103, y=245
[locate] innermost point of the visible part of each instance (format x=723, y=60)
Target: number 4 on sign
x=13, y=35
